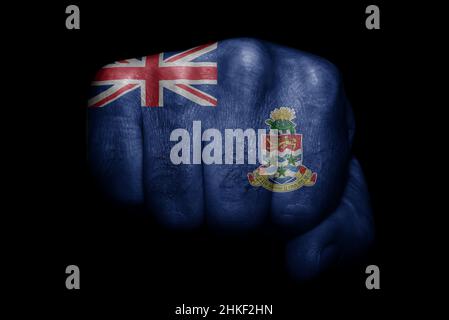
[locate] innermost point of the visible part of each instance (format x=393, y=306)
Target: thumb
x=343, y=235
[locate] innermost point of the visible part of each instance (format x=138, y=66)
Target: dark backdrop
x=128, y=264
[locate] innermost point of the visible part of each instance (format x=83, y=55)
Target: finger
x=173, y=191
x=232, y=203
x=321, y=111
x=345, y=234
x=115, y=148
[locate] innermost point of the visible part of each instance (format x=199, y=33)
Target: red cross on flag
x=152, y=74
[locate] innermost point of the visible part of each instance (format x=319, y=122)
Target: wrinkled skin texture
x=129, y=152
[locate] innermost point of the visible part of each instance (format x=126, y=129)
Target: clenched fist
x=233, y=134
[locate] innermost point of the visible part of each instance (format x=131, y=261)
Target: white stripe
x=188, y=82
x=193, y=56
x=181, y=63
x=116, y=85
x=131, y=63
x=171, y=86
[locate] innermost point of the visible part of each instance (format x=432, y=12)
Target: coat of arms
x=282, y=169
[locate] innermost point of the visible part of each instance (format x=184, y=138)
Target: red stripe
x=186, y=53
x=153, y=74
x=197, y=93
x=120, y=73
x=114, y=95
x=189, y=73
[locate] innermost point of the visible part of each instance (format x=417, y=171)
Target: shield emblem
x=281, y=157
x=281, y=168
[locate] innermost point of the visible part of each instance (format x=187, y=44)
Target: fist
x=234, y=134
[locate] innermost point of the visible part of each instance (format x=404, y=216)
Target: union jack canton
x=178, y=73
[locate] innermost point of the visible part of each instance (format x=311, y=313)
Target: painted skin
x=129, y=155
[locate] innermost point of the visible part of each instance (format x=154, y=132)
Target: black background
x=130, y=266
